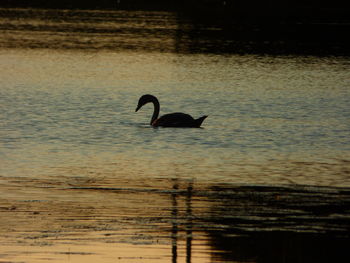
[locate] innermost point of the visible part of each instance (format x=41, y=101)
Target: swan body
x=177, y=119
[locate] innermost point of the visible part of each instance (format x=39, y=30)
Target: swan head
x=144, y=100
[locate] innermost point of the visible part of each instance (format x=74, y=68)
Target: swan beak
x=137, y=108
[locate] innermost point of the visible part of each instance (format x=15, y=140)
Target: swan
x=176, y=119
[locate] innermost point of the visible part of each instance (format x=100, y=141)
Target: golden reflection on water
x=163, y=220
x=56, y=221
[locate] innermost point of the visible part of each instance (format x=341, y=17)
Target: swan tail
x=198, y=122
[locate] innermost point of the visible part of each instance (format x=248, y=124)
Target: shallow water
x=84, y=177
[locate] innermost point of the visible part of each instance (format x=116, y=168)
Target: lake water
x=85, y=178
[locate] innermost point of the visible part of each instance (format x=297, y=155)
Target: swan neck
x=156, y=110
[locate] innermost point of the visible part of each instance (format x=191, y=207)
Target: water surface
x=84, y=177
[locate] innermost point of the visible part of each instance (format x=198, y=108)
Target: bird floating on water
x=177, y=119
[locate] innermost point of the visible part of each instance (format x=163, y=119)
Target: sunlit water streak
x=77, y=158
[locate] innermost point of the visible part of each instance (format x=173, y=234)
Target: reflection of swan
x=177, y=119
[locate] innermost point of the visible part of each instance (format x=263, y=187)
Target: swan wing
x=177, y=119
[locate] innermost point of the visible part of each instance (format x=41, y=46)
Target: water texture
x=84, y=177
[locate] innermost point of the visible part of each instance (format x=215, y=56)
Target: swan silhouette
x=176, y=119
